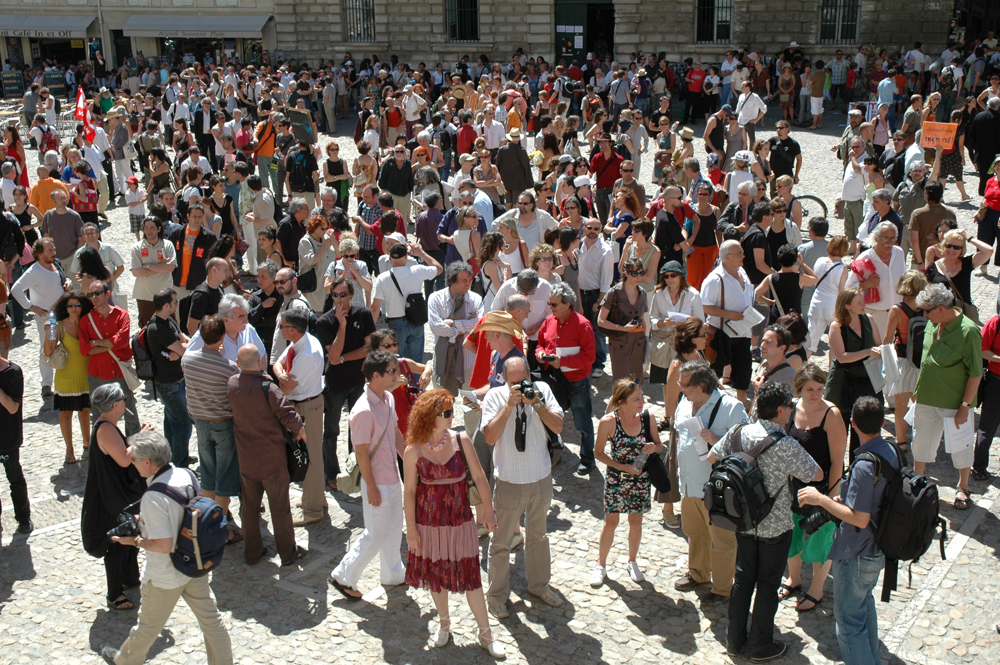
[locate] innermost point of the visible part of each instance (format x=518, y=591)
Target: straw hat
x=501, y=322
x=687, y=133
x=515, y=135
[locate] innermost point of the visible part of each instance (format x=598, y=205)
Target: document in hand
x=741, y=328
x=694, y=427
x=471, y=396
x=890, y=364
x=959, y=437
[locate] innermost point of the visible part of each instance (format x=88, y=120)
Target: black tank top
x=789, y=293
x=718, y=135
x=24, y=220
x=706, y=231
x=815, y=442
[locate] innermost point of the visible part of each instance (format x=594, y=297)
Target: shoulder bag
x=415, y=307
x=777, y=300
x=128, y=372
x=60, y=356
x=655, y=467
x=970, y=310
x=349, y=481
x=296, y=452
x=474, y=497
x=712, y=344
x=307, y=280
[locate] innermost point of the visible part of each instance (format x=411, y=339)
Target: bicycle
x=805, y=210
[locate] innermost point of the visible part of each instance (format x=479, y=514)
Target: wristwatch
x=537, y=405
x=967, y=405
x=341, y=360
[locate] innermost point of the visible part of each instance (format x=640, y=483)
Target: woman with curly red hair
x=441, y=535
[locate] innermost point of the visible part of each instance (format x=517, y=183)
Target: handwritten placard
x=938, y=135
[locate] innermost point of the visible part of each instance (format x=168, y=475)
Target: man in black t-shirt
x=205, y=298
x=290, y=231
x=11, y=414
x=758, y=262
x=343, y=332
x=302, y=173
x=265, y=303
x=166, y=345
x=786, y=154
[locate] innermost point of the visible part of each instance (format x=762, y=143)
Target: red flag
x=81, y=104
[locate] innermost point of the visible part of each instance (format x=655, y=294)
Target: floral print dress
x=449, y=540
x=623, y=492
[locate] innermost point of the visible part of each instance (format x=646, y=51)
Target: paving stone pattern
x=52, y=607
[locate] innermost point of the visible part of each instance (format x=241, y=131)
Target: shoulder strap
x=777, y=300
x=393, y=276
x=737, y=439
x=715, y=412
x=941, y=268
x=761, y=447
x=378, y=445
x=646, y=429
x=776, y=368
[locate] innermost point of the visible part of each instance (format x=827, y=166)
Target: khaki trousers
x=510, y=501
x=711, y=550
x=156, y=607
x=313, y=488
x=276, y=487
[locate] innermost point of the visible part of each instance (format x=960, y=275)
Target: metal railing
x=714, y=21
x=359, y=20
x=462, y=20
x=838, y=21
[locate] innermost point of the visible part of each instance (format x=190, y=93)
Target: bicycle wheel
x=805, y=209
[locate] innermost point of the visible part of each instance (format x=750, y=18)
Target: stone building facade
x=428, y=30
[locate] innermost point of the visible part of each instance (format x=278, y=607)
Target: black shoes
x=27, y=526
x=584, y=469
x=776, y=651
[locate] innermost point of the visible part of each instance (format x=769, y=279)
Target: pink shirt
x=368, y=420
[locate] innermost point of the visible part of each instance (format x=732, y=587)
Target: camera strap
x=521, y=429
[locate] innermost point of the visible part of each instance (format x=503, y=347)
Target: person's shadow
x=562, y=643
x=110, y=628
x=17, y=567
x=656, y=614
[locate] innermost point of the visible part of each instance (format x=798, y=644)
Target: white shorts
x=816, y=104
x=928, y=426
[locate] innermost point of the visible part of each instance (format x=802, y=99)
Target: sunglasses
x=593, y=228
x=393, y=345
x=94, y=294
x=340, y=295
x=571, y=207
x=636, y=273
x=671, y=275
x=74, y=306
x=390, y=372
x=334, y=149
x=545, y=258
x=777, y=210
x=957, y=248
x=446, y=414
x=350, y=256
x=627, y=170
x=281, y=281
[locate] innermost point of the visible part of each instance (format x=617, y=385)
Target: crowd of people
x=500, y=207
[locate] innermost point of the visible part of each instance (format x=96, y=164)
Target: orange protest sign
x=938, y=134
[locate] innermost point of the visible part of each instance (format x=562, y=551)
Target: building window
x=714, y=21
x=838, y=21
x=359, y=20
x=462, y=18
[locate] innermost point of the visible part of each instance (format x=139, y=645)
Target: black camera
x=128, y=526
x=528, y=389
x=815, y=522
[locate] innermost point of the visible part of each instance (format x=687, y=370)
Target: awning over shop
x=50, y=26
x=195, y=26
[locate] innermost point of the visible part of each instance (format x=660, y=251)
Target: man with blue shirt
x=886, y=95
x=711, y=550
x=856, y=558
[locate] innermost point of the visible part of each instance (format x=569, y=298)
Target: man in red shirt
x=566, y=344
x=104, y=336
x=991, y=401
x=466, y=134
x=694, y=106
x=393, y=120
x=607, y=165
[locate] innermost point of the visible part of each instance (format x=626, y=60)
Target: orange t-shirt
x=187, y=253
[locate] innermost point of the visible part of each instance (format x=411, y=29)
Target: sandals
x=492, y=647
x=789, y=591
x=671, y=521
x=443, y=634
x=962, y=504
x=299, y=553
x=235, y=537
x=350, y=593
x=804, y=598
x=122, y=604
x=70, y=459
x=981, y=475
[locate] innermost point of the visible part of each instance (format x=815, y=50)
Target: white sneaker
x=634, y=572
x=597, y=577
x=597, y=373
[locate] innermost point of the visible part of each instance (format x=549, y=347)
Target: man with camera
x=761, y=553
x=160, y=520
x=856, y=558
x=515, y=417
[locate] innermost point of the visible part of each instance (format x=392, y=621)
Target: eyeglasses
x=279, y=282
x=350, y=256
x=897, y=140
x=593, y=228
x=446, y=414
x=333, y=149
x=399, y=152
x=957, y=248
x=344, y=294
x=392, y=371
x=777, y=210
x=704, y=193
x=571, y=207
x=524, y=203
x=672, y=275
x=94, y=294
x=391, y=345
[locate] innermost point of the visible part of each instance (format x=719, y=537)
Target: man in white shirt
x=914, y=60
x=733, y=347
x=853, y=192
x=299, y=371
x=750, y=109
x=536, y=290
x=452, y=313
x=413, y=105
x=492, y=131
x=596, y=266
x=726, y=69
x=890, y=264
x=195, y=157
x=394, y=286
x=234, y=310
x=7, y=183
x=515, y=426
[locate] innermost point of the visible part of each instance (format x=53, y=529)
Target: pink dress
x=449, y=540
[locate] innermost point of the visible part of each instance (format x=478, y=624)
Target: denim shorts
x=219, y=465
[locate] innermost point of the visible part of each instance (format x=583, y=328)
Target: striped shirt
x=370, y=214
x=206, y=376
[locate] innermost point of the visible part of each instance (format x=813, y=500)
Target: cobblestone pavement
x=52, y=607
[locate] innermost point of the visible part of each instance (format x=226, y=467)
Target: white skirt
x=906, y=382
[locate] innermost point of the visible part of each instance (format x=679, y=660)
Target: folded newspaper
x=742, y=328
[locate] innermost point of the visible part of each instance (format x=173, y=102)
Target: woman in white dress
x=673, y=301
x=832, y=275
x=516, y=254
x=50, y=106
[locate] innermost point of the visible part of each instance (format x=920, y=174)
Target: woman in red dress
x=441, y=534
x=15, y=149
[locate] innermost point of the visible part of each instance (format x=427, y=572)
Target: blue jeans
x=759, y=565
x=445, y=171
x=333, y=403
x=583, y=410
x=220, y=467
x=176, y=421
x=16, y=311
x=410, y=338
x=265, y=171
x=854, y=608
x=587, y=302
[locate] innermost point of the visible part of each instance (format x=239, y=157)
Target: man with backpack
x=302, y=173
x=763, y=530
x=949, y=80
x=163, y=584
x=857, y=558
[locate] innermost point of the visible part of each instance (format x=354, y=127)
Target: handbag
x=60, y=356
x=655, y=467
x=838, y=208
x=474, y=497
x=132, y=379
x=307, y=280
x=981, y=213
x=130, y=151
x=970, y=310
x=87, y=203
x=296, y=453
x=415, y=307
x=349, y=481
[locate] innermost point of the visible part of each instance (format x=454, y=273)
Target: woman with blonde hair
x=954, y=269
x=854, y=338
x=466, y=238
x=516, y=255
x=632, y=432
x=441, y=536
x=622, y=318
x=897, y=331
x=831, y=273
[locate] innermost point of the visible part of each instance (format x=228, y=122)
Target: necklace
x=444, y=439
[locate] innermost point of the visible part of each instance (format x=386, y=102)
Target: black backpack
x=144, y=367
x=736, y=497
x=908, y=517
x=299, y=176
x=914, y=334
x=11, y=246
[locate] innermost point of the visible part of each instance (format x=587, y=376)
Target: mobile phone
x=635, y=321
x=549, y=358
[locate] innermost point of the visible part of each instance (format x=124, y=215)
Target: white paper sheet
x=909, y=414
x=873, y=366
x=470, y=395
x=890, y=363
x=742, y=328
x=961, y=437
x=694, y=427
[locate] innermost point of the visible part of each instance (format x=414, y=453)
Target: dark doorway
x=122, y=46
x=583, y=27
x=600, y=33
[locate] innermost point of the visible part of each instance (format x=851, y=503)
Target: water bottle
x=640, y=460
x=52, y=325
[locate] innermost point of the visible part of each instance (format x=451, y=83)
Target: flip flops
x=789, y=591
x=805, y=597
x=345, y=590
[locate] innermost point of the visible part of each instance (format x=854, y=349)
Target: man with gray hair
x=261, y=414
x=290, y=231
x=853, y=191
x=528, y=284
x=566, y=351
x=881, y=212
x=234, y=310
x=732, y=348
x=906, y=198
x=947, y=385
x=452, y=313
x=890, y=264
x=737, y=213
x=162, y=584
x=7, y=184
x=264, y=304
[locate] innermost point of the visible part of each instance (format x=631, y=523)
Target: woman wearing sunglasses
x=412, y=379
x=622, y=318
x=441, y=535
x=955, y=269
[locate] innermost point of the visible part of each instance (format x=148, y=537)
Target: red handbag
x=87, y=203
